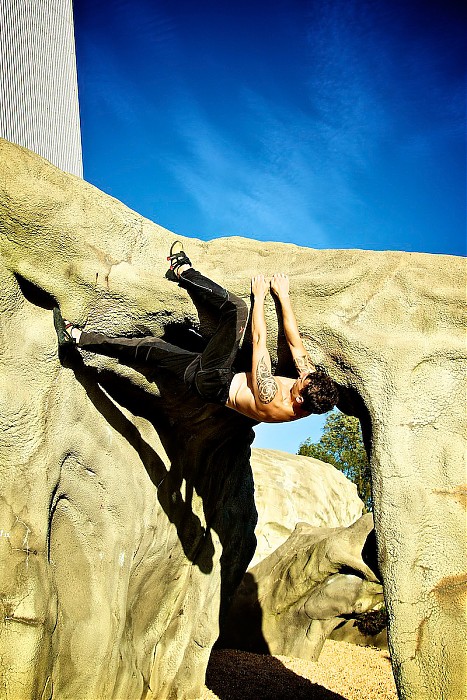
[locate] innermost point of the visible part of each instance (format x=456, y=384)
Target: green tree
x=341, y=444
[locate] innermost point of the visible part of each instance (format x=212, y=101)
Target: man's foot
x=179, y=262
x=67, y=333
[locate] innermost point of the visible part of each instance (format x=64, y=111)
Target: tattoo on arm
x=267, y=387
x=302, y=363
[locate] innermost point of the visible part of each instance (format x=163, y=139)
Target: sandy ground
x=343, y=672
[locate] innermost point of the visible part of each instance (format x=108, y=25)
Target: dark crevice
x=370, y=554
x=52, y=511
x=351, y=403
x=34, y=294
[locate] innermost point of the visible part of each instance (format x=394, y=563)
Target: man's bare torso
x=279, y=410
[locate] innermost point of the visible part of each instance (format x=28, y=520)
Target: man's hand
x=280, y=285
x=259, y=286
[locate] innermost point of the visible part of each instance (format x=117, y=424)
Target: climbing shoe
x=176, y=260
x=65, y=339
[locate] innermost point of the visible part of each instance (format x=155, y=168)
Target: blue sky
x=330, y=123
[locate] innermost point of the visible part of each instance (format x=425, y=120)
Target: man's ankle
x=75, y=334
x=181, y=269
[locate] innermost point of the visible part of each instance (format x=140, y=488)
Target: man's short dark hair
x=320, y=393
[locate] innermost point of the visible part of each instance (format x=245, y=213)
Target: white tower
x=38, y=82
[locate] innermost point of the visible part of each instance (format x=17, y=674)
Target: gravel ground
x=344, y=672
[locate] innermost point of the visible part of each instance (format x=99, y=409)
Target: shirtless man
x=270, y=399
x=211, y=374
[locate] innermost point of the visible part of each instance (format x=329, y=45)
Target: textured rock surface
x=291, y=601
x=121, y=513
x=292, y=488
x=124, y=516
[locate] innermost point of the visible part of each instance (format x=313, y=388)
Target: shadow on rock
x=248, y=636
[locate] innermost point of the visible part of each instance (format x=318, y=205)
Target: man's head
x=314, y=392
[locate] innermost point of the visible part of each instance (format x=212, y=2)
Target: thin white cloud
x=263, y=186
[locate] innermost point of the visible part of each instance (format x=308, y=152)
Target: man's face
x=299, y=385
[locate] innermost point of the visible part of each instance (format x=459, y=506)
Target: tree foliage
x=341, y=444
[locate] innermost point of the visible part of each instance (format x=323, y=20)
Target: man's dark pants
x=209, y=373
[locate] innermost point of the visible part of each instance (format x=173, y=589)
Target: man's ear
x=299, y=399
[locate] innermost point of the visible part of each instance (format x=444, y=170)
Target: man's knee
x=237, y=303
x=240, y=307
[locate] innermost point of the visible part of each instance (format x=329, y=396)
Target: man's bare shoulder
x=242, y=399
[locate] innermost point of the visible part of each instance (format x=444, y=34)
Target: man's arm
x=280, y=286
x=264, y=384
